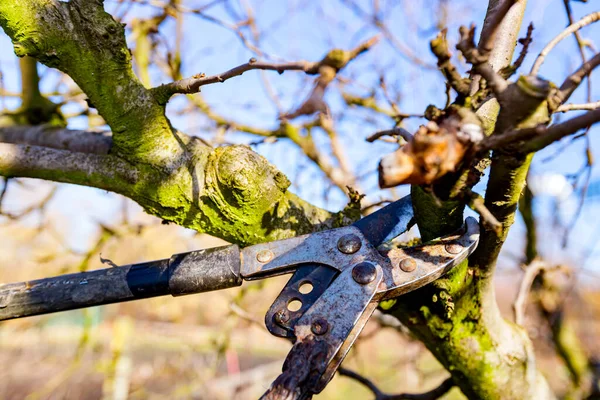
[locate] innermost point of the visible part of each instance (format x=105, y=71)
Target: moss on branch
x=79, y=38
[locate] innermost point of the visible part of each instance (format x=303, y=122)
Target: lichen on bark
x=229, y=192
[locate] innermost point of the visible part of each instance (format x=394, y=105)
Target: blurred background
x=215, y=345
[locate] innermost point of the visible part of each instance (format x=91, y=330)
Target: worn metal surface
x=348, y=276
x=194, y=272
x=205, y=270
x=73, y=291
x=316, y=248
x=279, y=320
x=387, y=223
x=431, y=260
x=343, y=307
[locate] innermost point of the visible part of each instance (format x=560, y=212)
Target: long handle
x=187, y=273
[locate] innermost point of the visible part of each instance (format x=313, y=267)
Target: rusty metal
x=408, y=265
x=316, y=248
x=355, y=300
x=264, y=256
x=348, y=274
x=281, y=317
x=319, y=326
x=453, y=248
x=320, y=277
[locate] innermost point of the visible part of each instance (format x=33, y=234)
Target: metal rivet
x=349, y=244
x=364, y=273
x=281, y=317
x=408, y=265
x=264, y=256
x=453, y=248
x=320, y=326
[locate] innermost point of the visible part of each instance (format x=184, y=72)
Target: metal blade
x=385, y=224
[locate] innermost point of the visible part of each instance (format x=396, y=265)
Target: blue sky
x=306, y=30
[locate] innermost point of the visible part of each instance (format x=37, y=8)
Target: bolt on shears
x=348, y=269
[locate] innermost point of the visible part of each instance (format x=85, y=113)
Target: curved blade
x=385, y=224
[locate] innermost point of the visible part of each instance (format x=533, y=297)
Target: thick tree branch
x=457, y=316
x=200, y=195
x=492, y=25
x=79, y=38
x=58, y=138
x=104, y=172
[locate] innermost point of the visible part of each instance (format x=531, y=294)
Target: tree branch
x=588, y=19
x=492, y=25
x=439, y=47
x=574, y=80
x=531, y=271
x=479, y=60
x=336, y=59
x=575, y=107
x=58, y=138
x=104, y=172
x=433, y=394
x=403, y=133
x=537, y=138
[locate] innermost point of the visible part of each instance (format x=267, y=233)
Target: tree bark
x=233, y=193
x=457, y=317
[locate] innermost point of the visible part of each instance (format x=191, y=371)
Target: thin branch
x=477, y=204
x=193, y=84
x=531, y=271
x=580, y=46
x=574, y=80
x=589, y=19
x=585, y=106
x=525, y=42
x=38, y=206
x=439, y=47
x=433, y=394
x=479, y=60
x=539, y=137
x=403, y=133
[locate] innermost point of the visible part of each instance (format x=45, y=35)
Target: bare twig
x=539, y=137
x=479, y=60
x=589, y=19
x=477, y=204
x=439, y=47
x=574, y=80
x=406, y=135
x=433, y=394
x=336, y=59
x=531, y=271
x=573, y=107
x=525, y=42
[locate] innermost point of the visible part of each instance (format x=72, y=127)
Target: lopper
x=339, y=278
